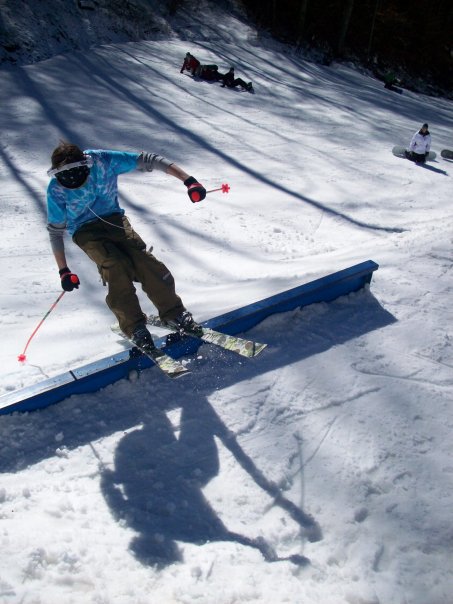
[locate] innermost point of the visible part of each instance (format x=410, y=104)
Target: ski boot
x=142, y=338
x=185, y=324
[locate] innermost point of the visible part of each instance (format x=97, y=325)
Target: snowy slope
x=155, y=491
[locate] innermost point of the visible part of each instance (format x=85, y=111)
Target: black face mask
x=73, y=178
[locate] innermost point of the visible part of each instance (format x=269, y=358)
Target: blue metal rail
x=100, y=374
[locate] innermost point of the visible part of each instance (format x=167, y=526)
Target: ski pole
x=224, y=188
x=195, y=195
x=22, y=357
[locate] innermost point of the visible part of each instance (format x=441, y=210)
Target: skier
x=420, y=145
x=190, y=63
x=230, y=81
x=82, y=197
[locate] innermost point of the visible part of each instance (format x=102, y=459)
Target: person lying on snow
x=230, y=81
x=208, y=72
x=190, y=63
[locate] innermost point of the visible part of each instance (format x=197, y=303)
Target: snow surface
x=176, y=492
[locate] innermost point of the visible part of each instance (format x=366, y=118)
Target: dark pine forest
x=411, y=38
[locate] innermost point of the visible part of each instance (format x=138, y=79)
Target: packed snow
x=322, y=470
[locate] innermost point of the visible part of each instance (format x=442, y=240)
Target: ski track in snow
x=334, y=445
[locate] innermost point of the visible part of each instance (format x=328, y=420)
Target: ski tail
x=169, y=366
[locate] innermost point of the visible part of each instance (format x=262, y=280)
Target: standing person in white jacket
x=420, y=145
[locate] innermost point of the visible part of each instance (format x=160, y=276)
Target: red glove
x=69, y=281
x=195, y=191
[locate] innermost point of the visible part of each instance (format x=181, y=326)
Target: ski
x=246, y=348
x=170, y=367
x=166, y=364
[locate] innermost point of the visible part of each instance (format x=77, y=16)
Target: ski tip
x=252, y=349
x=171, y=368
x=179, y=374
x=259, y=348
x=175, y=373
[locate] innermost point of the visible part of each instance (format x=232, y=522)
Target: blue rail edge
x=95, y=376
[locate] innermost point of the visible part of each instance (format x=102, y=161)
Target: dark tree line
x=412, y=36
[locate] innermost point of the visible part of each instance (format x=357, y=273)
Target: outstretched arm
x=177, y=172
x=152, y=161
x=195, y=190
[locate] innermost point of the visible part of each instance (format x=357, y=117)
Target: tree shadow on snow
x=114, y=80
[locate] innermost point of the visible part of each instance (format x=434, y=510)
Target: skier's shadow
x=157, y=480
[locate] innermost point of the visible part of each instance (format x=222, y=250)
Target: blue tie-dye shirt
x=98, y=196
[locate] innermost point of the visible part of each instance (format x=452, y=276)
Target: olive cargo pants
x=121, y=257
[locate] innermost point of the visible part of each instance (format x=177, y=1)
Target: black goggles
x=73, y=175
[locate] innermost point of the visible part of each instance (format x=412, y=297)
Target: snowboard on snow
x=447, y=154
x=399, y=151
